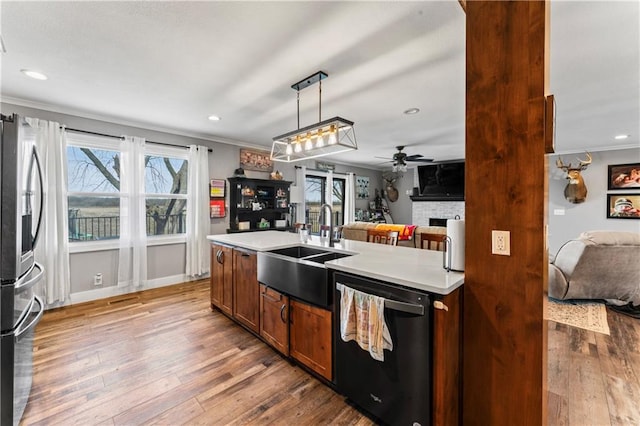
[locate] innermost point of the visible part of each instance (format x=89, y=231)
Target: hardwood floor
x=594, y=379
x=163, y=357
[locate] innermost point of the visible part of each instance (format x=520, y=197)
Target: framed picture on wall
x=362, y=187
x=252, y=159
x=623, y=206
x=624, y=176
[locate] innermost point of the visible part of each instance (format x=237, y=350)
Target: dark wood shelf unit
x=272, y=195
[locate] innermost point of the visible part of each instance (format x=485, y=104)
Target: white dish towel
x=362, y=320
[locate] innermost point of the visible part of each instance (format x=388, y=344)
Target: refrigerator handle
x=21, y=330
x=39, y=226
x=30, y=282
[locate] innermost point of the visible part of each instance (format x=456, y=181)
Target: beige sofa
x=598, y=265
x=358, y=231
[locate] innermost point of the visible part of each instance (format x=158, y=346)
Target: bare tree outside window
x=94, y=194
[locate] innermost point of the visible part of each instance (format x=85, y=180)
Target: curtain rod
x=122, y=137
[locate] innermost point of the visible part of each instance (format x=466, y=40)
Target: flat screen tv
x=442, y=181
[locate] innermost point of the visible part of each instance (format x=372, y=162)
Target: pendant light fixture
x=326, y=137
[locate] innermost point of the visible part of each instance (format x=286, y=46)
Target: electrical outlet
x=97, y=279
x=501, y=243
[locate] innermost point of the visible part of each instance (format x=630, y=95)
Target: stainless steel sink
x=327, y=256
x=298, y=271
x=299, y=251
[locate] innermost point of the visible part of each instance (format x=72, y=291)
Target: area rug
x=586, y=315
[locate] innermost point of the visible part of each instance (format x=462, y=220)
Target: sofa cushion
x=612, y=238
x=358, y=231
x=598, y=265
x=405, y=232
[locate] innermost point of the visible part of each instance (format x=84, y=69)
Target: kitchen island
x=305, y=330
x=410, y=267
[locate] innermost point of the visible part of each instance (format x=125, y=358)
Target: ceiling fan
x=400, y=159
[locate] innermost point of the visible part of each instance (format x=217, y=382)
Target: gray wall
x=592, y=214
x=163, y=260
x=401, y=209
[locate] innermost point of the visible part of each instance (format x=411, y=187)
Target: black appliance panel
x=398, y=390
x=21, y=190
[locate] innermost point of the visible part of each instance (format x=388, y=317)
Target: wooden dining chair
x=382, y=237
x=433, y=241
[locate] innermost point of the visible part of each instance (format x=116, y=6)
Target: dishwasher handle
x=409, y=308
x=395, y=305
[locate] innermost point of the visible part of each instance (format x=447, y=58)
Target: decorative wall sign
x=252, y=159
x=362, y=187
x=216, y=207
x=623, y=206
x=325, y=166
x=624, y=176
x=216, y=194
x=217, y=187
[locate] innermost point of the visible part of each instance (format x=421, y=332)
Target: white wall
x=592, y=214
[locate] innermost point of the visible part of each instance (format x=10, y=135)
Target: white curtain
x=52, y=249
x=198, y=222
x=132, y=265
x=328, y=196
x=350, y=199
x=301, y=174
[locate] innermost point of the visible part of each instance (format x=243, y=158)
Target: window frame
x=323, y=176
x=83, y=140
x=156, y=150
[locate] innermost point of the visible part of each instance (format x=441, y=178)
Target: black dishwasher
x=397, y=391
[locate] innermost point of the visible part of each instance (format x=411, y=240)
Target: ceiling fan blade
x=384, y=158
x=413, y=157
x=424, y=160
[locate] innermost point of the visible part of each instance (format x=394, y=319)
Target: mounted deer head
x=392, y=192
x=575, y=191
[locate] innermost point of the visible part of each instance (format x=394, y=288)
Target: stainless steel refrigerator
x=20, y=308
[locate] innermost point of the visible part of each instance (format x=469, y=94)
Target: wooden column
x=504, y=361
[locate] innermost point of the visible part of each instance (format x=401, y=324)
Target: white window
x=93, y=185
x=94, y=192
x=166, y=176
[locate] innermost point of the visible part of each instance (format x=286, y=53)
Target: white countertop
x=410, y=267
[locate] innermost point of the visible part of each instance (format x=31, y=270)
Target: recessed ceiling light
x=214, y=118
x=621, y=137
x=412, y=111
x=34, y=74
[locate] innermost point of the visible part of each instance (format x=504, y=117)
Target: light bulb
x=332, y=135
x=320, y=141
x=289, y=150
x=308, y=145
x=298, y=147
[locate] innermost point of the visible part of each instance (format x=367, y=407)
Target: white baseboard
x=102, y=293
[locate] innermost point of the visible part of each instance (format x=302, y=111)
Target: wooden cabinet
x=246, y=292
x=310, y=337
x=222, y=278
x=274, y=318
x=271, y=198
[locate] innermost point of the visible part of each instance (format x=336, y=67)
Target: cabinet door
x=310, y=337
x=222, y=278
x=226, y=303
x=274, y=318
x=246, y=292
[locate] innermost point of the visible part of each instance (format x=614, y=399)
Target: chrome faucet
x=330, y=221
